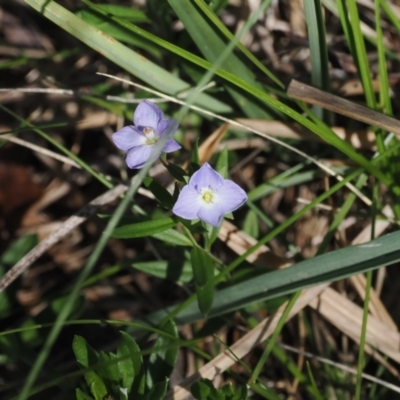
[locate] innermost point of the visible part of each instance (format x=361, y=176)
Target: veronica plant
x=139, y=139
x=209, y=196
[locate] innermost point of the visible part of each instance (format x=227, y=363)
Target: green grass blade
x=212, y=46
x=271, y=343
x=318, y=52
x=225, y=31
x=360, y=54
x=384, y=89
x=126, y=58
x=324, y=268
x=394, y=19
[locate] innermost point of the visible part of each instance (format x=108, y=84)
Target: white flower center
x=151, y=137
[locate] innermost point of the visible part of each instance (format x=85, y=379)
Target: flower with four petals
x=208, y=196
x=139, y=139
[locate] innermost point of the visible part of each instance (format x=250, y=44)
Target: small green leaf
x=203, y=273
x=18, y=249
x=158, y=391
x=241, y=393
x=87, y=358
x=108, y=368
x=82, y=396
x=163, y=356
x=11, y=256
x=177, y=172
x=203, y=267
x=136, y=382
x=172, y=236
x=250, y=225
x=215, y=394
x=142, y=229
x=227, y=390
x=159, y=192
x=97, y=386
x=205, y=298
x=175, y=270
x=125, y=366
x=85, y=355
x=200, y=391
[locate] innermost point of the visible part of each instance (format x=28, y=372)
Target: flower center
x=207, y=196
x=151, y=137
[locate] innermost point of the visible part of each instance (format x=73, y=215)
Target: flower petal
x=137, y=156
x=127, y=137
x=211, y=214
x=167, y=127
x=206, y=177
x=147, y=114
x=188, y=203
x=170, y=146
x=230, y=196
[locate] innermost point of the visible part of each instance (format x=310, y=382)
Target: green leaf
x=215, y=394
x=177, y=172
x=159, y=192
x=84, y=354
x=172, y=236
x=143, y=229
x=163, y=355
x=82, y=396
x=203, y=273
x=18, y=249
x=10, y=257
x=158, y=391
x=121, y=55
x=132, y=372
x=241, y=393
x=97, y=386
x=87, y=358
x=228, y=391
x=108, y=368
x=175, y=270
x=125, y=365
x=200, y=391
x=250, y=225
x=203, y=267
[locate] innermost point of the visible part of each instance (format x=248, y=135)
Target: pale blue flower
x=208, y=196
x=138, y=140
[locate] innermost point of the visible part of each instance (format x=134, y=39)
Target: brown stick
x=71, y=223
x=337, y=104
